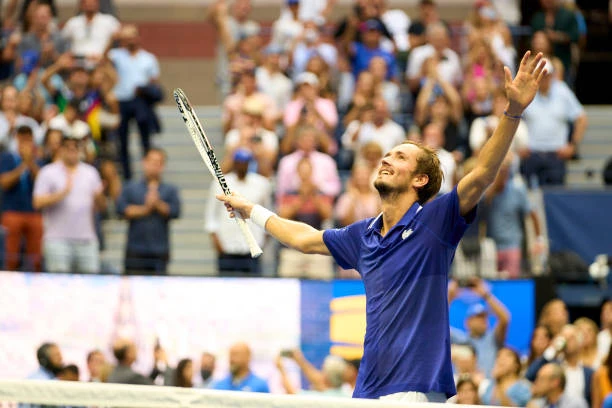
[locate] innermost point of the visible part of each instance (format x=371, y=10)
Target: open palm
x=523, y=88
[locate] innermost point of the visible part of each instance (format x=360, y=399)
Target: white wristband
x=260, y=215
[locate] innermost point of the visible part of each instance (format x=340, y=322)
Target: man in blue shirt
x=149, y=205
x=49, y=358
x=404, y=254
x=361, y=53
x=241, y=378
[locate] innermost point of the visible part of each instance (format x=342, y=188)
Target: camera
x=256, y=139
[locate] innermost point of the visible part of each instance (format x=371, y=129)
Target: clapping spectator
x=68, y=192
x=137, y=91
x=18, y=172
x=90, y=31
x=149, y=205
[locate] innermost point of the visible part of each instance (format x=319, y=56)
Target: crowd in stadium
x=568, y=364
x=309, y=109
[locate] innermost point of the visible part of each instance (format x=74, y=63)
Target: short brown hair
x=428, y=163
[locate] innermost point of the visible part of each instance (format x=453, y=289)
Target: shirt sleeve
x=174, y=201
x=519, y=393
x=7, y=163
x=43, y=184
x=573, y=106
x=123, y=200
x=442, y=216
x=344, y=244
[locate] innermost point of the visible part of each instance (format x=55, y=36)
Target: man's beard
x=387, y=191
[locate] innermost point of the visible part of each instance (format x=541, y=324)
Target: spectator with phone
x=486, y=341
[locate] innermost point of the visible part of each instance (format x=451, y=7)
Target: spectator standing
x=42, y=44
x=18, y=171
x=271, y=80
x=126, y=354
x=487, y=342
x=233, y=254
x=549, y=390
x=149, y=205
x=207, y=369
x=550, y=143
x=90, y=32
x=162, y=373
x=309, y=44
x=50, y=362
x=241, y=378
x=68, y=191
x=361, y=53
x=561, y=28
x=137, y=90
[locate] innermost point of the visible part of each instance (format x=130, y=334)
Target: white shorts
x=413, y=396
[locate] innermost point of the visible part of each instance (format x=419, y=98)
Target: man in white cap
x=548, y=121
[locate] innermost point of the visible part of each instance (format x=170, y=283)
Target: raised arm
x=296, y=235
x=520, y=93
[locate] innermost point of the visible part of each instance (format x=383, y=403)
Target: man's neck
x=572, y=360
x=241, y=375
x=394, y=208
x=554, y=397
x=71, y=167
x=90, y=15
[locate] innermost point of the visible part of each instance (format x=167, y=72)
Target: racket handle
x=250, y=239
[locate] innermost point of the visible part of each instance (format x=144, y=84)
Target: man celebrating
x=404, y=254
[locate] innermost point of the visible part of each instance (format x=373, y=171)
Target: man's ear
x=420, y=181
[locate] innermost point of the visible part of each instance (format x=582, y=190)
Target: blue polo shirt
x=19, y=197
x=251, y=383
x=405, y=274
x=363, y=55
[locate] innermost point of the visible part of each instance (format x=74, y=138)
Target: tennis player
x=404, y=254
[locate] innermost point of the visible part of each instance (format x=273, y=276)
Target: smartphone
x=286, y=353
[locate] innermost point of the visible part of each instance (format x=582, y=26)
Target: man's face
x=55, y=357
x=396, y=171
x=25, y=143
x=371, y=38
x=478, y=324
x=90, y=6
x=438, y=39
x=307, y=141
x=153, y=164
x=42, y=17
x=71, y=152
x=572, y=340
x=95, y=365
x=9, y=99
x=239, y=359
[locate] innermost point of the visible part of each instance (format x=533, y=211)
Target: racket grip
x=248, y=235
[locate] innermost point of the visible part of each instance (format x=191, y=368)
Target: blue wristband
x=511, y=116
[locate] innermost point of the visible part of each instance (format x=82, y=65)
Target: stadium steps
x=192, y=253
x=596, y=149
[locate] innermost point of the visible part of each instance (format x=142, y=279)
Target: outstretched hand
x=521, y=90
x=236, y=203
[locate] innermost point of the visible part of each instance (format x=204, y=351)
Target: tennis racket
x=208, y=156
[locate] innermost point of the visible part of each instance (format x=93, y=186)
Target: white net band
x=75, y=394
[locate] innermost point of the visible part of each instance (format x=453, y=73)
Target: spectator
x=309, y=44
x=95, y=365
x=366, y=90
x=51, y=146
x=465, y=363
x=41, y=45
x=162, y=373
x=233, y=106
x=602, y=382
x=467, y=392
x=271, y=80
x=233, y=253
x=605, y=335
x=548, y=118
x=149, y=205
x=565, y=350
x=540, y=340
x=68, y=191
x=554, y=315
x=90, y=32
x=18, y=171
x=507, y=207
x=69, y=373
x=360, y=200
x=49, y=358
x=389, y=90
x=126, y=354
x=482, y=128
x=241, y=378
x=370, y=154
x=587, y=330
x=137, y=90
x=325, y=173
x=374, y=124
x=328, y=382
x=486, y=23
x=207, y=369
x=69, y=123
x=350, y=374
x=448, y=66
x=11, y=120
x=362, y=52
x=561, y=28
x=76, y=88
x=397, y=22
x=184, y=374
x=434, y=139
x=508, y=389
x=487, y=342
x=310, y=205
x=428, y=15
x=348, y=30
x=327, y=78
x=231, y=28
x=288, y=27
x=252, y=136
x=549, y=390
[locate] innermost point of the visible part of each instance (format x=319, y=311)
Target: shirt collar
x=377, y=223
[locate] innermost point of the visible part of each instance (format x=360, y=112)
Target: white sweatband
x=260, y=215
